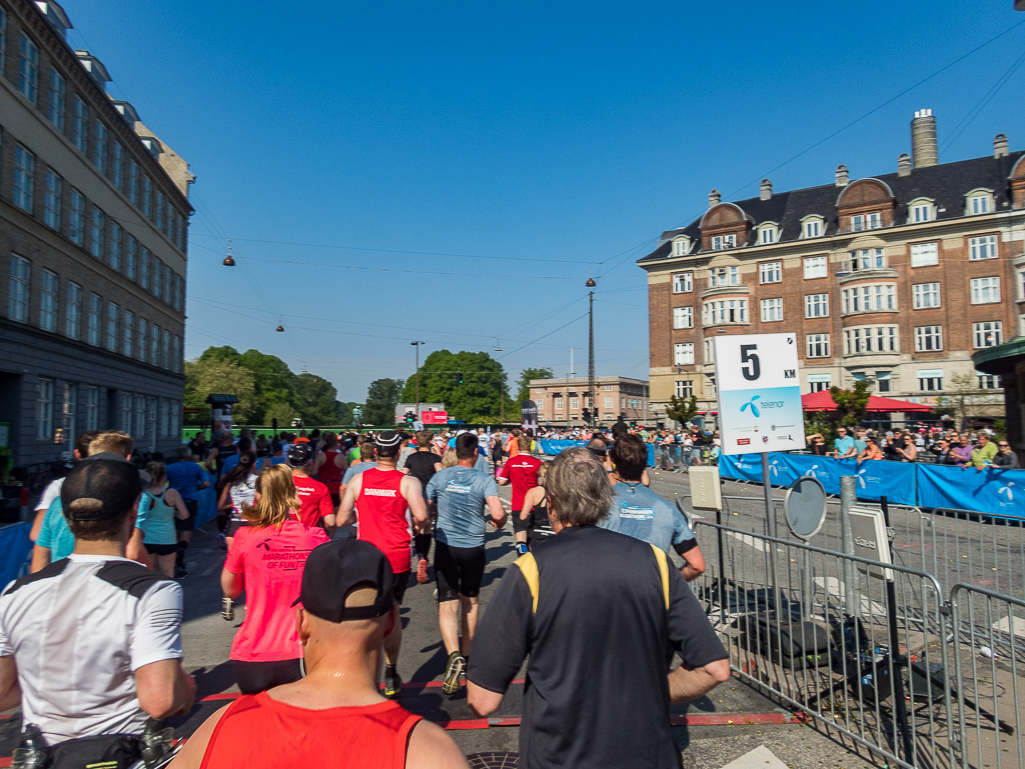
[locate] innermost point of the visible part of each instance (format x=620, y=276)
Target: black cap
x=334, y=568
x=100, y=489
x=389, y=439
x=300, y=454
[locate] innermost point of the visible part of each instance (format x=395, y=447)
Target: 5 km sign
x=759, y=393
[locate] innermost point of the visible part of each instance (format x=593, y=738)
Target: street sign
x=805, y=507
x=759, y=393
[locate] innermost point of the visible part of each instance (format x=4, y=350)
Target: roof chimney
x=714, y=198
x=904, y=164
x=842, y=177
x=924, y=151
x=1000, y=146
x=766, y=191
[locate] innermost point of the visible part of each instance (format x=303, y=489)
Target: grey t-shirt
x=639, y=512
x=461, y=493
x=355, y=470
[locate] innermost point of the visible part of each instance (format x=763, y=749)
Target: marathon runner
x=535, y=510
x=188, y=478
x=463, y=497
x=521, y=472
x=380, y=501
x=53, y=489
x=238, y=490
x=422, y=465
x=314, y=495
x=224, y=448
x=330, y=466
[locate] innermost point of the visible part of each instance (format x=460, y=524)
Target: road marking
x=761, y=757
x=836, y=588
x=1011, y=625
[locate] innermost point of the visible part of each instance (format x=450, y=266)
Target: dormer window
x=681, y=247
x=921, y=211
x=812, y=227
x=767, y=233
x=862, y=222
x=979, y=202
x=723, y=242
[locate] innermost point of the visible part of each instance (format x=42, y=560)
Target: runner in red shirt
x=521, y=472
x=330, y=466
x=380, y=500
x=313, y=495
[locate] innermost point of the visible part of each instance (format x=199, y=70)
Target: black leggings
x=254, y=677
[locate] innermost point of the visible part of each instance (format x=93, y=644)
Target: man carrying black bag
x=90, y=646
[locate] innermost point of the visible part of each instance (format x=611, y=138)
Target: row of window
x=866, y=339
x=92, y=138
x=980, y=248
x=86, y=318
x=58, y=419
x=105, y=240
x=574, y=403
x=814, y=226
x=872, y=297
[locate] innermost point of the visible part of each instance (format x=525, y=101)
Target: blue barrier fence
x=15, y=552
x=990, y=491
x=551, y=448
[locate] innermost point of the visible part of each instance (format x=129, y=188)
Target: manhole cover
x=494, y=760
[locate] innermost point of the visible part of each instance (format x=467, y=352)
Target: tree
x=343, y=412
x=851, y=405
x=481, y=397
x=965, y=400
x=275, y=383
x=382, y=398
x=283, y=412
x=219, y=375
x=315, y=397
x=681, y=409
x=524, y=381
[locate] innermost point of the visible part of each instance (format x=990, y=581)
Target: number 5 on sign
x=759, y=393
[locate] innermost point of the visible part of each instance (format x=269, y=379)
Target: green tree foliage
x=682, y=409
x=382, y=397
x=275, y=384
x=315, y=399
x=965, y=401
x=219, y=375
x=851, y=405
x=524, y=381
x=283, y=412
x=477, y=399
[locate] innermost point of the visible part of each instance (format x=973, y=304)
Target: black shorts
x=519, y=525
x=161, y=549
x=234, y=526
x=458, y=571
x=399, y=586
x=336, y=499
x=255, y=677
x=189, y=524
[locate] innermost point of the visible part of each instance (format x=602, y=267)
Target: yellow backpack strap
x=528, y=568
x=663, y=570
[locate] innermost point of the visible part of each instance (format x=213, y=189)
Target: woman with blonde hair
x=266, y=560
x=154, y=527
x=449, y=459
x=535, y=510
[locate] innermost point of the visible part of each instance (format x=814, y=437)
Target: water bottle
x=32, y=752
x=156, y=738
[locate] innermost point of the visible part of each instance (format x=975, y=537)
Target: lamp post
x=590, y=347
x=417, y=346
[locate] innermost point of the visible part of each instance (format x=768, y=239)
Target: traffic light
x=459, y=377
x=410, y=417
x=622, y=416
x=586, y=416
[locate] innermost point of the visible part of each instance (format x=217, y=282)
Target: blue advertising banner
x=897, y=481
x=15, y=552
x=996, y=492
x=551, y=448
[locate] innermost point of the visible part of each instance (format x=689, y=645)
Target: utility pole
x=417, y=346
x=590, y=347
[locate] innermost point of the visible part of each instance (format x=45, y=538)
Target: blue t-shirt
x=843, y=445
x=185, y=478
x=639, y=512
x=481, y=465
x=55, y=533
x=355, y=470
x=461, y=493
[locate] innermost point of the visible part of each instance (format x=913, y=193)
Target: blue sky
x=561, y=137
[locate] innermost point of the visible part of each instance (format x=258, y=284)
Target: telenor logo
x=751, y=405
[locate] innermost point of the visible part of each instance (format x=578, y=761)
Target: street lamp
x=229, y=260
x=417, y=346
x=590, y=346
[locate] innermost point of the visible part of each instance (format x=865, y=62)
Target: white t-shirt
x=243, y=494
x=50, y=493
x=78, y=630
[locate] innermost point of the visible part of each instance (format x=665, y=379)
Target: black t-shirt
x=421, y=466
x=597, y=692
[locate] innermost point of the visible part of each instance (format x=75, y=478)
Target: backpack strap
x=528, y=568
x=663, y=570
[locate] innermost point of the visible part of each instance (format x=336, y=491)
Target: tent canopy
x=823, y=401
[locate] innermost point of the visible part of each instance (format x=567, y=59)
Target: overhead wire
x=980, y=105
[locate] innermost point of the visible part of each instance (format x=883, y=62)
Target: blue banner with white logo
x=897, y=481
x=551, y=448
x=996, y=492
x=15, y=552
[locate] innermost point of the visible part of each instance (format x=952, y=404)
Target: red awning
x=823, y=401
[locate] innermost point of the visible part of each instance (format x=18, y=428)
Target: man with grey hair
x=595, y=610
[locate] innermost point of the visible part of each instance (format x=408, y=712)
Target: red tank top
x=257, y=731
x=382, y=513
x=330, y=475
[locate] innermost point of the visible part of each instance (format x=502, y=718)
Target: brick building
x=93, y=216
x=560, y=401
x=895, y=278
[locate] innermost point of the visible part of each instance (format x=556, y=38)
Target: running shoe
x=392, y=682
x=227, y=609
x=180, y=573
x=455, y=668
x=421, y=571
